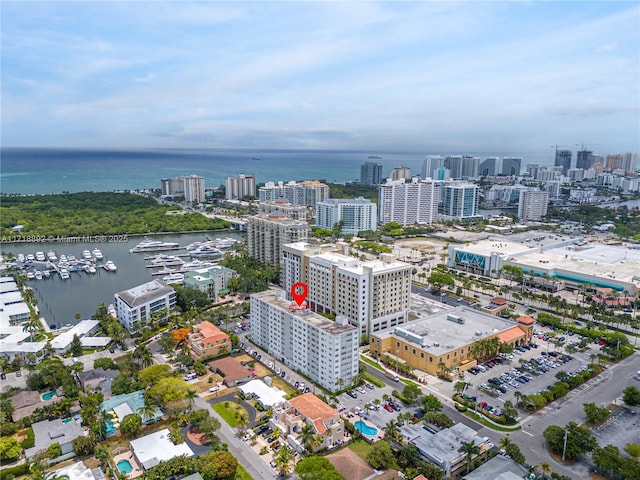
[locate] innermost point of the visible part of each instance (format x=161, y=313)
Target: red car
x=483, y=404
x=388, y=408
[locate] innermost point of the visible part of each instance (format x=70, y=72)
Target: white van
x=190, y=376
x=214, y=389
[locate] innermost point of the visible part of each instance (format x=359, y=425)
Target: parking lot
x=527, y=372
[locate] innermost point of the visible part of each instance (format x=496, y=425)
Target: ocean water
x=42, y=171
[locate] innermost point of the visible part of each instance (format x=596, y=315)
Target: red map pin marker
x=299, y=292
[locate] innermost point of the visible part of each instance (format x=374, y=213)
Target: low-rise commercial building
x=444, y=341
x=443, y=448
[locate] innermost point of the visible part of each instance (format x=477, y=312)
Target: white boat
x=222, y=243
x=174, y=278
x=63, y=258
x=31, y=257
x=46, y=273
x=110, y=266
x=71, y=257
x=97, y=254
x=89, y=269
x=38, y=274
x=86, y=254
x=21, y=258
x=195, y=265
x=64, y=274
x=164, y=261
x=30, y=275
x=154, y=246
x=40, y=256
x=112, y=310
x=51, y=255
x=195, y=245
x=206, y=251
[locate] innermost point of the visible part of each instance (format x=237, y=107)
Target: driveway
x=232, y=397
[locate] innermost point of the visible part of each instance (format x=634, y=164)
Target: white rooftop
x=268, y=396
x=65, y=338
x=156, y=447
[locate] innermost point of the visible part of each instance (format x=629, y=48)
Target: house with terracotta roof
x=207, y=340
x=307, y=409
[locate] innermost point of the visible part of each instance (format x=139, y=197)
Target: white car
x=361, y=390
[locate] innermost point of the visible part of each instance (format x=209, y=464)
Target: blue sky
x=456, y=77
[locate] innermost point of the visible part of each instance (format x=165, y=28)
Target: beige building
x=372, y=295
x=307, y=409
x=267, y=233
x=295, y=212
x=447, y=338
x=207, y=340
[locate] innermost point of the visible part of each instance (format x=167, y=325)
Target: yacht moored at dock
x=154, y=246
x=109, y=266
x=97, y=254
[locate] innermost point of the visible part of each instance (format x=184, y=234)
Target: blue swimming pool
x=66, y=421
x=365, y=429
x=124, y=466
x=48, y=395
x=111, y=429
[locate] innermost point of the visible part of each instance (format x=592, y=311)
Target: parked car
x=361, y=390
x=369, y=386
x=388, y=408
x=352, y=394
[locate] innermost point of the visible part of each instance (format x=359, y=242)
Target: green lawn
x=229, y=414
x=360, y=448
x=471, y=414
x=241, y=474
x=371, y=362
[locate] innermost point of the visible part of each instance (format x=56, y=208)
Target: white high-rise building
x=194, y=189
x=237, y=188
x=533, y=205
x=326, y=351
x=460, y=200
x=190, y=187
x=630, y=161
x=307, y=193
x=408, y=203
x=431, y=165
x=137, y=304
x=357, y=215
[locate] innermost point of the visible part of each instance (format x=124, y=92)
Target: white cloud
x=607, y=47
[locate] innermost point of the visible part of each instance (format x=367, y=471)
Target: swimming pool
x=48, y=395
x=124, y=466
x=111, y=429
x=365, y=429
x=67, y=420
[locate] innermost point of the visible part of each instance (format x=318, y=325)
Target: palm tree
x=147, y=411
x=242, y=420
x=546, y=468
x=143, y=355
x=471, y=450
x=191, y=397
x=505, y=443
x=32, y=325
x=283, y=460
x=392, y=432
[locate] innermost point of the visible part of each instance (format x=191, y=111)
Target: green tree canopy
x=631, y=396
x=317, y=468
x=381, y=457
x=579, y=440
x=130, y=424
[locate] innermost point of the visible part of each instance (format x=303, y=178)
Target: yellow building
x=447, y=338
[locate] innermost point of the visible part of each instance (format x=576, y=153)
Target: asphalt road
x=603, y=390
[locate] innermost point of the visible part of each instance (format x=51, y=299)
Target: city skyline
x=377, y=76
